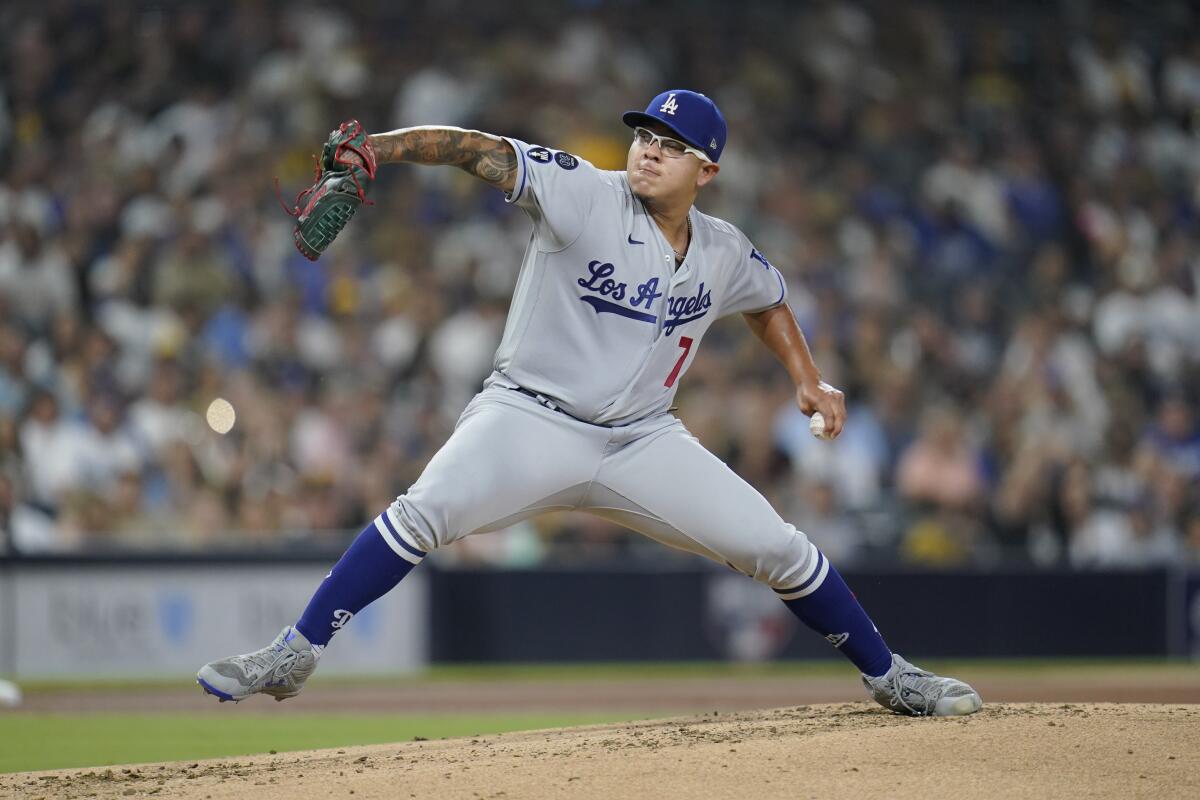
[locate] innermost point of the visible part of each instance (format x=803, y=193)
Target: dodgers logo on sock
x=837, y=639
x=340, y=618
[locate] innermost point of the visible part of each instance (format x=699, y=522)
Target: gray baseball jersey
x=602, y=326
x=601, y=321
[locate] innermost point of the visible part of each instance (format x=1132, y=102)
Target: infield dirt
x=854, y=750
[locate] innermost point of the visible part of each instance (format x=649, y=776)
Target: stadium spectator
x=988, y=225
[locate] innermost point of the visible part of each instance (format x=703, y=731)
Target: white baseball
x=816, y=426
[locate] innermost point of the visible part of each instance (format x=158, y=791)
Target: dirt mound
x=846, y=750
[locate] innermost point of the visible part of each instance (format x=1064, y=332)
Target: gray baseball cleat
x=906, y=689
x=280, y=669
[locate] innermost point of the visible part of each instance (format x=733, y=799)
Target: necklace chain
x=678, y=254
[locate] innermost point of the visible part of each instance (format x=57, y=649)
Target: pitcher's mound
x=843, y=750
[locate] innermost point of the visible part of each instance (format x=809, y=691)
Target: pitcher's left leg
x=668, y=487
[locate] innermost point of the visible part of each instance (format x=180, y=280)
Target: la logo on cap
x=670, y=106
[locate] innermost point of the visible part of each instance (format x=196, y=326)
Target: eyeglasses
x=671, y=148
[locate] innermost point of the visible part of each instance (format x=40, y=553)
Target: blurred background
x=987, y=218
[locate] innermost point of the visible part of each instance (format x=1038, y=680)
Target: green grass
x=621, y=670
x=58, y=741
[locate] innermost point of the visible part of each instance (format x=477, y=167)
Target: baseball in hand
x=816, y=426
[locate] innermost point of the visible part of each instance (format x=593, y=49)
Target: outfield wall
x=150, y=616
x=596, y=616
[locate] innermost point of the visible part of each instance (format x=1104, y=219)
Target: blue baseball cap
x=690, y=115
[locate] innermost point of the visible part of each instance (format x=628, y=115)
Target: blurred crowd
x=988, y=222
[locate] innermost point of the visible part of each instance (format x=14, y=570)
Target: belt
x=541, y=398
x=550, y=404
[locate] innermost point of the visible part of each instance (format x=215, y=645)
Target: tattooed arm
x=487, y=157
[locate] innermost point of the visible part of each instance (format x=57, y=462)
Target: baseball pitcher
x=621, y=279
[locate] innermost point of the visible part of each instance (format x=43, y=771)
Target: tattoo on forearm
x=485, y=156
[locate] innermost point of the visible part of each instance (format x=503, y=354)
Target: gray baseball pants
x=511, y=458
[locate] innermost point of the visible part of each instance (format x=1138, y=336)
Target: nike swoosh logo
x=633, y=240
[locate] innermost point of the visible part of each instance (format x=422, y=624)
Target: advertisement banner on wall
x=80, y=621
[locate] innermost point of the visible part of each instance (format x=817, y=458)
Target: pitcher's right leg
x=508, y=459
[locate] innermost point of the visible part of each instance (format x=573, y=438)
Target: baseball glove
x=343, y=177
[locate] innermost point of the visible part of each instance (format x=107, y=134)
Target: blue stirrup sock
x=370, y=568
x=832, y=610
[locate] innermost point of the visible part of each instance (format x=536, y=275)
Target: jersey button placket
x=666, y=275
x=666, y=300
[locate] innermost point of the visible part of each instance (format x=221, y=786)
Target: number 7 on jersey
x=686, y=343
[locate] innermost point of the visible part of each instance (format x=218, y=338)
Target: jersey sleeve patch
x=760, y=258
x=544, y=155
